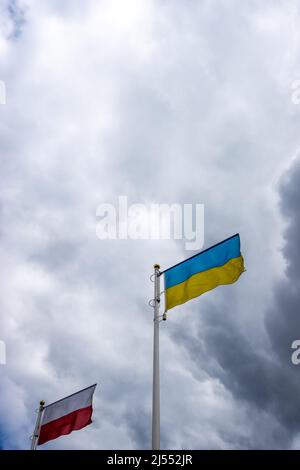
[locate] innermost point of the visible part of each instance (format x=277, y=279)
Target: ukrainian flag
x=219, y=264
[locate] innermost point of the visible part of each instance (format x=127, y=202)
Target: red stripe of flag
x=65, y=424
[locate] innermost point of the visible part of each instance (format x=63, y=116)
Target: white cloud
x=164, y=103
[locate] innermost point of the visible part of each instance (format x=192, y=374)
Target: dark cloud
x=262, y=377
x=166, y=103
x=17, y=16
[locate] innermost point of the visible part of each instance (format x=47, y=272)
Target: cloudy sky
x=163, y=101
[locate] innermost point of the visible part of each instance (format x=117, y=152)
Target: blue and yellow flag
x=220, y=264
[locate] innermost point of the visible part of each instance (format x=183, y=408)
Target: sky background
x=164, y=102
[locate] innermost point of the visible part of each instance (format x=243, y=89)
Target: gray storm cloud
x=263, y=378
x=164, y=103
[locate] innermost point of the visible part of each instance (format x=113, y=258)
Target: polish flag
x=69, y=414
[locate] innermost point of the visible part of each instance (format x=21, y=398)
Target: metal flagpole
x=155, y=396
x=36, y=434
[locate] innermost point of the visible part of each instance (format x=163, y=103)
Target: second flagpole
x=36, y=433
x=156, y=385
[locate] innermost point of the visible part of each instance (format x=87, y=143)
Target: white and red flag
x=69, y=414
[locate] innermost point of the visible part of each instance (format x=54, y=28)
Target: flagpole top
x=156, y=266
